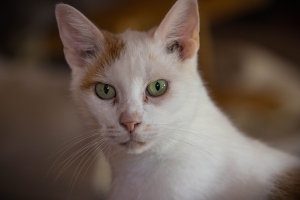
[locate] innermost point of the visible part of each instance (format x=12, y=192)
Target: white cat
x=167, y=139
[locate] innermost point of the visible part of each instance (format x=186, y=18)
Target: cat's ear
x=81, y=39
x=179, y=30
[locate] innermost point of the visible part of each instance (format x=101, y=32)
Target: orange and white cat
x=167, y=139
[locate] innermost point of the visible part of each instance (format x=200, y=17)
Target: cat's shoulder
x=287, y=186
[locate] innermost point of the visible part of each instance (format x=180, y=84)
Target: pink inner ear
x=189, y=48
x=190, y=38
x=80, y=37
x=181, y=24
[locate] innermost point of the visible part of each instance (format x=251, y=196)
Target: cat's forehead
x=140, y=45
x=142, y=53
x=137, y=62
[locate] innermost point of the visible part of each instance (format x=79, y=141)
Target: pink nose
x=130, y=120
x=130, y=125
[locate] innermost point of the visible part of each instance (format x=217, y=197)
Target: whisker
x=226, y=141
x=93, y=150
x=186, y=130
x=70, y=159
x=63, y=151
x=80, y=138
x=96, y=155
x=193, y=147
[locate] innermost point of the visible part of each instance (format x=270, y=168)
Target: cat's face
x=137, y=87
x=141, y=64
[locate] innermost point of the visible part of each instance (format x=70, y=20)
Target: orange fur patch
x=287, y=187
x=151, y=57
x=112, y=50
x=147, y=127
x=111, y=127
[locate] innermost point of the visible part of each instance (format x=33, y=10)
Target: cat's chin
x=134, y=147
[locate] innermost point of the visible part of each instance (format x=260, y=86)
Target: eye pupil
x=157, y=86
x=105, y=91
x=106, y=88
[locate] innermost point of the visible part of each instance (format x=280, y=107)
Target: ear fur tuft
x=81, y=39
x=179, y=30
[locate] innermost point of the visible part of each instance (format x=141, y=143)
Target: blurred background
x=249, y=59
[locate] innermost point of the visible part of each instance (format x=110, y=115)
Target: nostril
x=124, y=125
x=136, y=124
x=130, y=126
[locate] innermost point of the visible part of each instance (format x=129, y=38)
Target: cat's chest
x=188, y=177
x=160, y=179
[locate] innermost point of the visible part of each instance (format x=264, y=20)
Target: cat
x=161, y=133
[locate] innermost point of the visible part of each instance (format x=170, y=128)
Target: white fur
x=192, y=151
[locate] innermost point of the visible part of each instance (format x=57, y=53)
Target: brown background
x=249, y=58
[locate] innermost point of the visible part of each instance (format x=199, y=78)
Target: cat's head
x=138, y=87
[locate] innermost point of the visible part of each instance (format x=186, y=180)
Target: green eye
x=157, y=88
x=105, y=91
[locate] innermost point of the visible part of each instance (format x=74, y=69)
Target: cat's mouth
x=132, y=144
